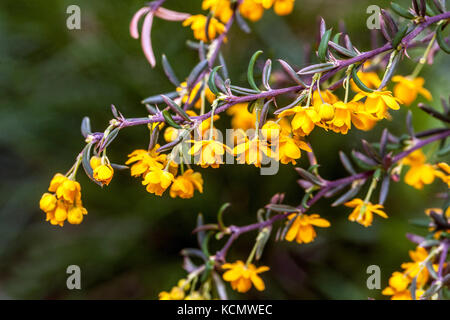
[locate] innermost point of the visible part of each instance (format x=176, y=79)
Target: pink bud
x=135, y=20
x=146, y=40
x=170, y=15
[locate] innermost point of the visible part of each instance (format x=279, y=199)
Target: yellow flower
x=398, y=287
x=95, y=161
x=325, y=111
x=378, y=102
x=170, y=134
x=184, y=186
x=361, y=119
x=408, y=88
x=289, y=149
x=252, y=151
x=420, y=175
x=444, y=167
x=302, y=229
x=304, y=119
x=145, y=161
x=417, y=268
x=363, y=212
x=251, y=10
x=198, y=25
x=420, y=172
x=325, y=96
x=195, y=295
x=48, y=202
x=209, y=152
x=103, y=172
x=242, y=276
x=283, y=7
x=75, y=215
x=414, y=158
x=174, y=294
x=69, y=190
x=270, y=130
x=57, y=180
x=341, y=122
x=157, y=180
x=242, y=119
x=220, y=9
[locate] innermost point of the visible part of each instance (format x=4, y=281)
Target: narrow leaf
x=169, y=71
x=250, y=70
x=358, y=81
x=86, y=127
x=169, y=120
x=323, y=46
x=401, y=11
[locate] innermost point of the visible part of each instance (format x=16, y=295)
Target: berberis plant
x=265, y=132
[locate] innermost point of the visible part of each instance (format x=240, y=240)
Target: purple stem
x=236, y=231
x=420, y=144
x=341, y=64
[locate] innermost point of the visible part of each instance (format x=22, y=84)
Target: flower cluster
x=159, y=172
x=63, y=201
x=400, y=281
x=330, y=113
x=263, y=134
x=221, y=11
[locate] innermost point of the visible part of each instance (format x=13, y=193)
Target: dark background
x=128, y=245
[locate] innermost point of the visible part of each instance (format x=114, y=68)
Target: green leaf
x=85, y=161
x=212, y=81
x=250, y=70
x=316, y=68
x=291, y=73
x=175, y=107
x=220, y=214
x=401, y=11
x=111, y=136
x=399, y=36
x=281, y=208
x=441, y=40
x=358, y=81
x=261, y=241
x=169, y=120
x=323, y=46
x=266, y=74
x=309, y=176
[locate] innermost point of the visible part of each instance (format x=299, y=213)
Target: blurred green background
x=128, y=245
